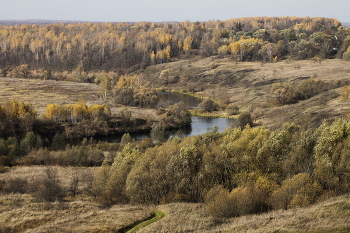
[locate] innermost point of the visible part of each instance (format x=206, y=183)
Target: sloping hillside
x=249, y=84
x=332, y=215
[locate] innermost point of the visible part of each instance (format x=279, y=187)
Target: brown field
x=41, y=93
x=248, y=84
x=332, y=215
x=21, y=213
x=64, y=174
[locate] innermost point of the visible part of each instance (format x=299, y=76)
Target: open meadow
x=40, y=93
x=21, y=213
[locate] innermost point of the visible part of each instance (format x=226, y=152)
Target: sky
x=169, y=10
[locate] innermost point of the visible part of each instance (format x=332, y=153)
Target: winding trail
x=156, y=215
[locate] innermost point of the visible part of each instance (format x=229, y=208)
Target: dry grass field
x=18, y=213
x=41, y=93
x=248, y=85
x=64, y=174
x=21, y=213
x=332, y=215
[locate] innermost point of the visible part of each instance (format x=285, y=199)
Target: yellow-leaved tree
x=105, y=84
x=188, y=43
x=245, y=46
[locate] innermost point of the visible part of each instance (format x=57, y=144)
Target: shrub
x=146, y=98
x=74, y=184
x=246, y=201
x=346, y=55
x=232, y=109
x=40, y=157
x=125, y=115
x=240, y=201
x=48, y=188
x=209, y=105
x=86, y=181
x=176, y=115
x=345, y=93
x=4, y=160
x=22, y=71
x=283, y=93
x=126, y=138
x=218, y=203
x=124, y=96
x=158, y=132
x=58, y=141
x=244, y=119
x=300, y=190
x=211, y=135
x=310, y=87
x=16, y=185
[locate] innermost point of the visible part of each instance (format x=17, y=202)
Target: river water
x=199, y=125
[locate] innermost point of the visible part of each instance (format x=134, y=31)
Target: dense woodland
x=244, y=170
x=125, y=47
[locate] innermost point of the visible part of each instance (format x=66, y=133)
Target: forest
x=126, y=47
x=284, y=79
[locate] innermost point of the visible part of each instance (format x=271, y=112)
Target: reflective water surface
x=199, y=126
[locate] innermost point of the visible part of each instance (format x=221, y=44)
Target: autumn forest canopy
x=126, y=47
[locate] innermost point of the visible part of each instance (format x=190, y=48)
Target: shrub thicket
x=244, y=119
x=176, y=115
x=16, y=185
x=143, y=98
x=232, y=109
x=47, y=187
x=209, y=105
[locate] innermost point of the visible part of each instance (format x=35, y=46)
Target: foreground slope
x=19, y=214
x=332, y=215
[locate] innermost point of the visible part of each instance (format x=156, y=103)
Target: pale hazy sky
x=169, y=10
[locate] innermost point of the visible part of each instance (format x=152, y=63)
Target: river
x=199, y=125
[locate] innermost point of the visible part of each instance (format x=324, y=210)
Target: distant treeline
x=126, y=47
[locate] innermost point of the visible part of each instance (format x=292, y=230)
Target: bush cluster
x=175, y=116
x=209, y=105
x=286, y=93
x=143, y=98
x=240, y=171
x=76, y=156
x=77, y=112
x=237, y=172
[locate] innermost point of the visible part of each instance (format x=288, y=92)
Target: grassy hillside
x=21, y=213
x=332, y=215
x=248, y=85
